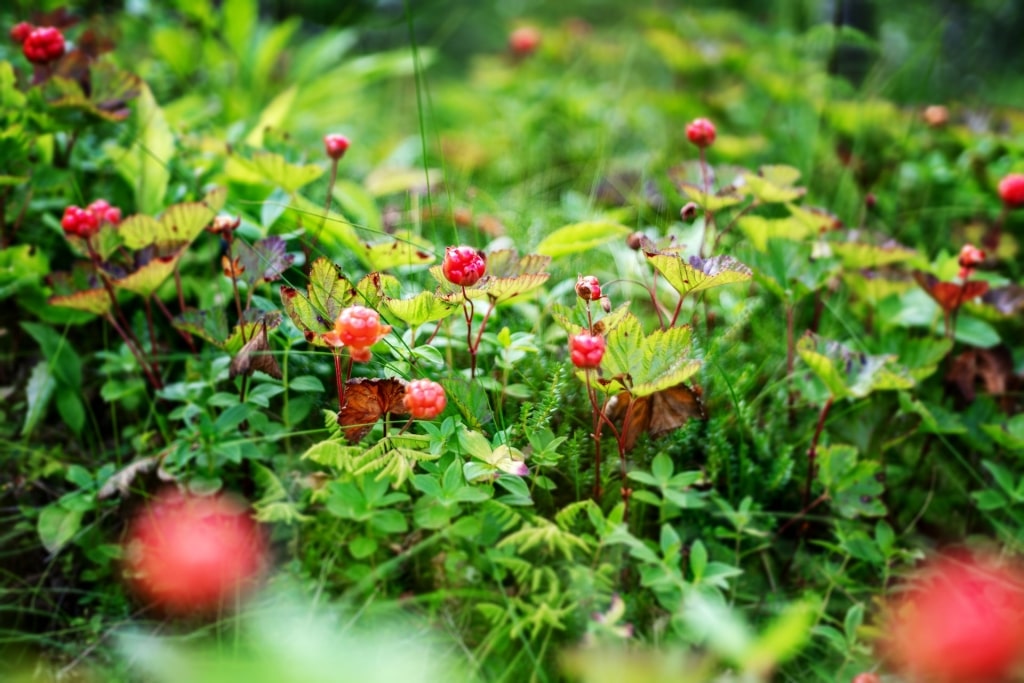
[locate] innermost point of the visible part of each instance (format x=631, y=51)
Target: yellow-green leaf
x=697, y=274
x=580, y=237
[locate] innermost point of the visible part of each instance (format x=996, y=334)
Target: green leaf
x=423, y=308
x=273, y=169
x=850, y=374
x=1009, y=435
x=775, y=185
x=976, y=332
x=95, y=301
x=65, y=364
x=710, y=202
x=147, y=279
x=699, y=274
x=211, y=326
x=581, y=237
x=274, y=114
x=264, y=261
x=145, y=166
x=306, y=383
x=645, y=365
x=861, y=255
x=470, y=399
x=71, y=409
x=404, y=249
x=782, y=639
x=178, y=226
x=852, y=484
x=57, y=525
x=38, y=391
x=760, y=229
x=329, y=293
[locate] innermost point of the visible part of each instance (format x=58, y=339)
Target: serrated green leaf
x=852, y=484
x=95, y=301
x=774, y=189
x=861, y=255
x=404, y=249
x=211, y=326
x=178, y=226
x=710, y=202
x=580, y=237
x=759, y=229
x=423, y=308
x=273, y=169
x=147, y=279
x=643, y=364
x=687, y=278
x=264, y=261
x=849, y=374
x=329, y=293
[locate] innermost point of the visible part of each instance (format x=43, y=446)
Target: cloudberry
x=43, y=45
x=191, y=554
x=463, y=266
x=970, y=256
x=524, y=41
x=588, y=288
x=586, y=350
x=701, y=132
x=20, y=31
x=1011, y=190
x=425, y=399
x=336, y=145
x=105, y=212
x=80, y=222
x=357, y=327
x=688, y=212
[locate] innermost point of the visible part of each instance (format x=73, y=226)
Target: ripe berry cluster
x=86, y=222
x=425, y=399
x=358, y=328
x=463, y=266
x=40, y=45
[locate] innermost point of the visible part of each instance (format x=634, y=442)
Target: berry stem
x=327, y=204
x=337, y=378
x=812, y=452
x=181, y=305
x=597, y=424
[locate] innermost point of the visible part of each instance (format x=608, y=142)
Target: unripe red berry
x=193, y=555
x=588, y=288
x=701, y=132
x=336, y=145
x=80, y=222
x=870, y=200
x=43, y=45
x=688, y=212
x=463, y=266
x=105, y=212
x=970, y=256
x=524, y=41
x=21, y=31
x=586, y=350
x=425, y=399
x=1011, y=190
x=358, y=328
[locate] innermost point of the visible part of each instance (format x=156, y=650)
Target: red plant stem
x=597, y=413
x=126, y=329
x=812, y=452
x=675, y=313
x=181, y=305
x=337, y=378
x=327, y=205
x=170, y=318
x=467, y=313
x=483, y=324
x=153, y=379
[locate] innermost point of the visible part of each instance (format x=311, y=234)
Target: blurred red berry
x=80, y=222
x=588, y=288
x=463, y=266
x=971, y=256
x=105, y=212
x=335, y=145
x=960, y=619
x=21, y=31
x=359, y=328
x=425, y=399
x=586, y=350
x=701, y=132
x=524, y=41
x=1011, y=190
x=866, y=678
x=936, y=115
x=224, y=224
x=43, y=45
x=360, y=354
x=191, y=554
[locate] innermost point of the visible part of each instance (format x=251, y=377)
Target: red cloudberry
x=1011, y=190
x=425, y=399
x=43, y=45
x=588, y=288
x=20, y=31
x=80, y=222
x=970, y=256
x=193, y=555
x=360, y=354
x=960, y=619
x=463, y=266
x=357, y=327
x=688, y=212
x=866, y=677
x=336, y=145
x=103, y=211
x=524, y=41
x=701, y=132
x=586, y=350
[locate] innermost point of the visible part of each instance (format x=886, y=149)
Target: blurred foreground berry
x=335, y=145
x=588, y=288
x=971, y=256
x=960, y=619
x=936, y=116
x=1011, y=190
x=586, y=350
x=701, y=132
x=463, y=266
x=192, y=555
x=43, y=45
x=425, y=399
x=103, y=211
x=866, y=678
